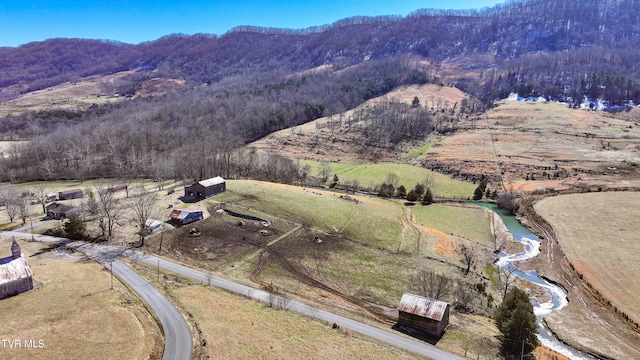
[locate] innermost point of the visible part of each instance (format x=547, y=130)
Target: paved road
x=177, y=345
x=415, y=346
x=172, y=318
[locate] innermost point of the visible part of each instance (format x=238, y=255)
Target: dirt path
x=589, y=304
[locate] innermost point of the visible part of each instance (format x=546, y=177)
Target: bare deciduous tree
x=22, y=208
x=507, y=279
x=324, y=172
x=41, y=194
x=9, y=198
x=465, y=295
x=467, y=256
x=429, y=284
x=109, y=209
x=143, y=205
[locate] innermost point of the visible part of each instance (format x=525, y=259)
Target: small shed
x=185, y=216
x=60, y=211
x=153, y=225
x=70, y=194
x=206, y=188
x=423, y=314
x=16, y=275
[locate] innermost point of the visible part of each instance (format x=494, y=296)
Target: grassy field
x=372, y=175
x=237, y=328
x=323, y=210
x=369, y=249
x=75, y=313
x=599, y=234
x=471, y=223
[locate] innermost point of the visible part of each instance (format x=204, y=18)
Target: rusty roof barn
x=427, y=315
x=16, y=275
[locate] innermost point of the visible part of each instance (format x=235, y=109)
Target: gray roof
x=422, y=306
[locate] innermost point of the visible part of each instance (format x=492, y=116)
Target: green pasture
x=372, y=175
x=472, y=223
x=370, y=222
x=369, y=266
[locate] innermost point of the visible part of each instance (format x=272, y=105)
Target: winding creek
x=558, y=297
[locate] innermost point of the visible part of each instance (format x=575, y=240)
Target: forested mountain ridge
x=553, y=48
x=250, y=82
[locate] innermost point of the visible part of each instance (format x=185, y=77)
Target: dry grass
x=81, y=94
x=237, y=328
x=598, y=233
x=75, y=313
x=316, y=140
x=534, y=138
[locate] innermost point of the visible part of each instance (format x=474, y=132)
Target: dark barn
x=205, y=188
x=16, y=275
x=423, y=314
x=70, y=194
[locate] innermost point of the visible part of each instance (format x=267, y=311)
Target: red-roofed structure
x=421, y=313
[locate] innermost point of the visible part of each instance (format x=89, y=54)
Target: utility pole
x=111, y=263
x=31, y=220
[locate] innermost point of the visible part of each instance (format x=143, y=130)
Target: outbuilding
x=423, y=314
x=185, y=216
x=205, y=188
x=16, y=275
x=153, y=225
x=70, y=194
x=60, y=211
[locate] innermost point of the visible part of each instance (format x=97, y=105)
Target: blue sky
x=135, y=21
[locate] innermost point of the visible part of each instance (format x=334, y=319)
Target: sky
x=136, y=21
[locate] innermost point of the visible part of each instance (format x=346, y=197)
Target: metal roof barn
x=424, y=314
x=16, y=275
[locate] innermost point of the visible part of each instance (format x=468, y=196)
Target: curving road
x=177, y=336
x=177, y=344
x=415, y=346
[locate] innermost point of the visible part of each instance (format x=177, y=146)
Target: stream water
x=558, y=297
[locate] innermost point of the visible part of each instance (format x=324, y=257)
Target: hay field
x=75, y=313
x=599, y=234
x=238, y=328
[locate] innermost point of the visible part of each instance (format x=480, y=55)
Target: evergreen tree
x=401, y=192
x=478, y=193
x=74, y=227
x=428, y=197
x=412, y=196
x=517, y=323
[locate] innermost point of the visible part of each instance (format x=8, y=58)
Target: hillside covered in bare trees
x=251, y=81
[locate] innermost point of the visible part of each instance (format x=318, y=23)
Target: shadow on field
x=417, y=334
